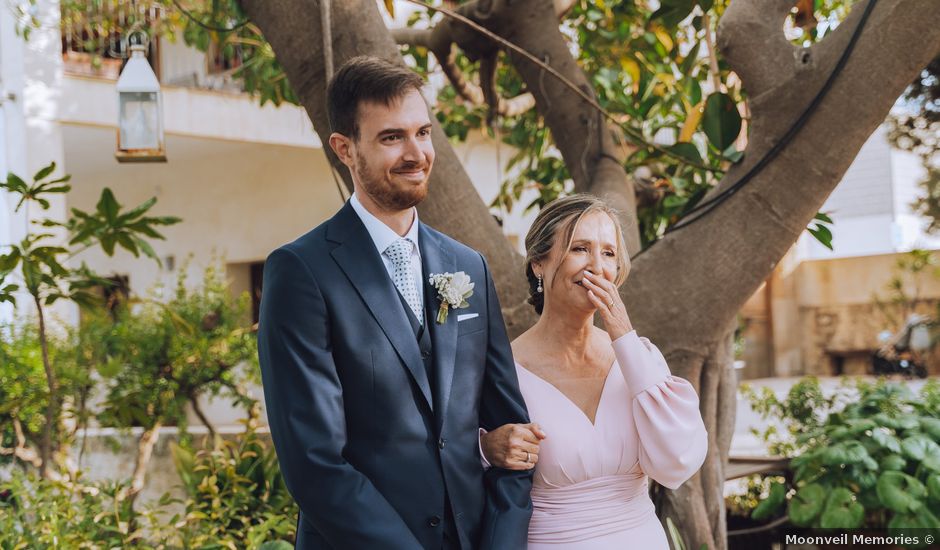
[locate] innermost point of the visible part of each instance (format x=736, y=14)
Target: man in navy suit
x=374, y=405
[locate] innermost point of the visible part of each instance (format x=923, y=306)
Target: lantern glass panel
x=139, y=121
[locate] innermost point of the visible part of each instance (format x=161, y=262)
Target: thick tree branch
x=580, y=132
x=777, y=204
x=410, y=36
x=446, y=55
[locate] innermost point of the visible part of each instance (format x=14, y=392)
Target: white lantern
x=140, y=111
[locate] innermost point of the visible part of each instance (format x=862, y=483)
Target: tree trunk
x=51, y=420
x=148, y=439
x=697, y=507
x=453, y=204
x=194, y=401
x=685, y=292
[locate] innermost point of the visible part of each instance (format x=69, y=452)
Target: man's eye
x=425, y=132
x=391, y=138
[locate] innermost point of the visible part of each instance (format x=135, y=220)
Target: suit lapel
x=436, y=257
x=360, y=261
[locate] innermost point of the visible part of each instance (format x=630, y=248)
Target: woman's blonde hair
x=558, y=219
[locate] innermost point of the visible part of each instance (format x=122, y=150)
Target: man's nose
x=412, y=151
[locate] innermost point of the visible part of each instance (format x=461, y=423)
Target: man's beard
x=386, y=194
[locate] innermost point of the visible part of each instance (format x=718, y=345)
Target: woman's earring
x=539, y=288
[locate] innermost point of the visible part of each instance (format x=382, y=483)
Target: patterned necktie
x=399, y=252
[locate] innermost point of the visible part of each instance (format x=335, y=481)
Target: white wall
x=871, y=206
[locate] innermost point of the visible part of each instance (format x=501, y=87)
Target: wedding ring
x=527, y=456
x=610, y=305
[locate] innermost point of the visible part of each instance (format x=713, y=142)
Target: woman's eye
x=579, y=248
x=610, y=254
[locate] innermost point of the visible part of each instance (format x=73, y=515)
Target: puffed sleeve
x=673, y=440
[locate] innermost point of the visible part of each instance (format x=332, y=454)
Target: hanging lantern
x=140, y=111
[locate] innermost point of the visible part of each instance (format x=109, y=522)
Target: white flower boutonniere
x=453, y=289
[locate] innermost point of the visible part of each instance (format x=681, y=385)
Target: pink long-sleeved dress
x=590, y=488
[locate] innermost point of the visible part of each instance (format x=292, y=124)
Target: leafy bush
x=42, y=513
x=235, y=498
x=158, y=357
x=236, y=495
x=867, y=456
x=24, y=395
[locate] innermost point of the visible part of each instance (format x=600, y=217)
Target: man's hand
x=513, y=446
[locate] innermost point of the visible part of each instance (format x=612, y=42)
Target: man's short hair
x=365, y=79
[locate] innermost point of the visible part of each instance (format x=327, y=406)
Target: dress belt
x=590, y=508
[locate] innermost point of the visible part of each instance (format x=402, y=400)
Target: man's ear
x=343, y=147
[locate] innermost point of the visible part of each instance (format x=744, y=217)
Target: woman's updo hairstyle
x=557, y=221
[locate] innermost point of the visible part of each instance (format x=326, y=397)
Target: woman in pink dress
x=607, y=413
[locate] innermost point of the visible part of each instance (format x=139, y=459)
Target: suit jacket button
x=425, y=354
x=434, y=521
x=440, y=443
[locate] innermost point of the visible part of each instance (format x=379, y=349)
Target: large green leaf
x=922, y=519
x=932, y=462
x=842, y=511
x=847, y=452
x=138, y=211
x=806, y=505
x=108, y=206
x=931, y=426
x=886, y=439
x=687, y=151
x=771, y=506
x=933, y=487
x=721, y=120
x=41, y=174
x=918, y=447
x=9, y=261
x=900, y=492
x=672, y=12
x=893, y=462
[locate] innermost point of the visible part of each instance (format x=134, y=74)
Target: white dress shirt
x=383, y=235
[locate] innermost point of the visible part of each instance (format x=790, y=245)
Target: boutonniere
x=453, y=289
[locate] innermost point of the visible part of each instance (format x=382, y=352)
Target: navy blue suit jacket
x=366, y=442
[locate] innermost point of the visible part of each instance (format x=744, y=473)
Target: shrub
x=867, y=456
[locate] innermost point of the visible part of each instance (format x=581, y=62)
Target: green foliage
x=41, y=257
x=157, y=357
x=41, y=262
x=676, y=106
x=37, y=513
x=648, y=73
x=24, y=395
x=866, y=456
x=236, y=496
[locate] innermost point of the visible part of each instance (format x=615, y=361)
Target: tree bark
x=685, y=292
x=194, y=401
x=45, y=443
x=579, y=131
x=148, y=439
x=453, y=204
x=735, y=247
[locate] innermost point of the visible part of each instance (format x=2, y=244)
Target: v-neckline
x=564, y=396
